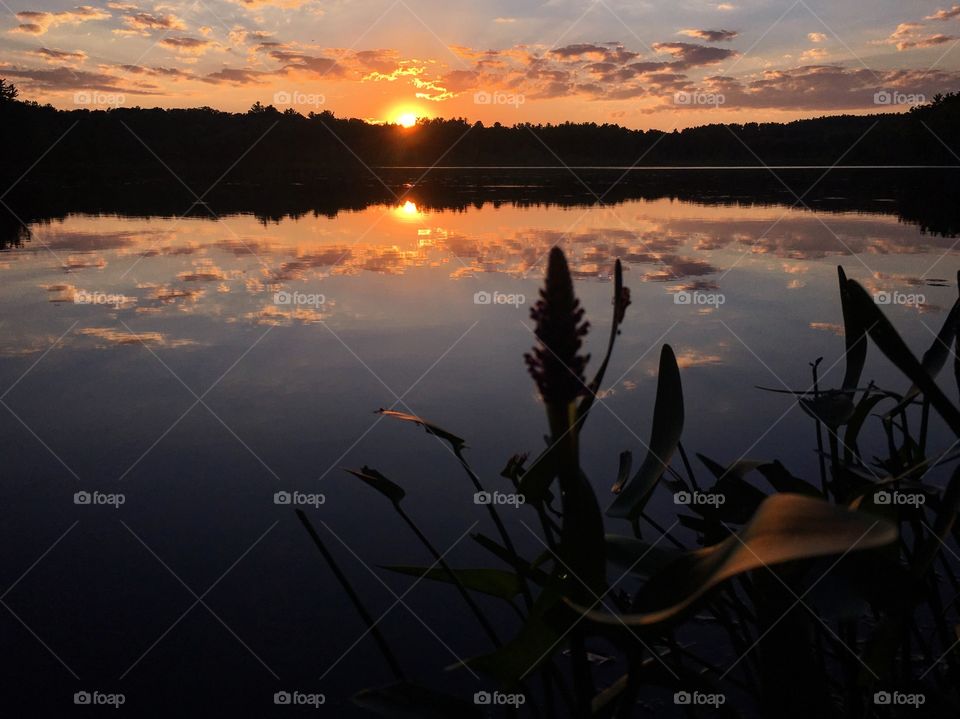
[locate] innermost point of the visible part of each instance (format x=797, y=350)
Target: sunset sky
x=640, y=64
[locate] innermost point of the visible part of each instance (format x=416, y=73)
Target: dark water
x=151, y=356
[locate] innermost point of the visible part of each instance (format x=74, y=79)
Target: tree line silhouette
x=265, y=145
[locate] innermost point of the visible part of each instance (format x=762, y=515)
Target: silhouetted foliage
x=264, y=144
x=8, y=92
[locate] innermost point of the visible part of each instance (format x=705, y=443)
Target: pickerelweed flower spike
x=556, y=365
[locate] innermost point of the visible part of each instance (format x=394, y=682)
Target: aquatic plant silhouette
x=758, y=558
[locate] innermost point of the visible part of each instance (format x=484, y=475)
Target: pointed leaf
x=893, y=346
x=855, y=337
x=392, y=491
x=623, y=472
x=936, y=357
x=781, y=480
x=664, y=437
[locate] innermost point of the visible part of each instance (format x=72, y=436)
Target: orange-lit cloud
x=34, y=22
x=143, y=23
x=945, y=14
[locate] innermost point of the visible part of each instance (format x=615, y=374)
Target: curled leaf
x=457, y=442
x=785, y=528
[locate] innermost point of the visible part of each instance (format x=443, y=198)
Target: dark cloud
x=689, y=55
x=66, y=78
x=711, y=35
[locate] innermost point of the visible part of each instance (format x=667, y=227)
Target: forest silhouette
x=264, y=144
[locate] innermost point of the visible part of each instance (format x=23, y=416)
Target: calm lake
x=184, y=370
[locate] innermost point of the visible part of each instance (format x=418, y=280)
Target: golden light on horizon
x=408, y=212
x=406, y=119
x=406, y=115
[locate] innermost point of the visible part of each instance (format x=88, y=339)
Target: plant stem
x=501, y=528
x=481, y=617
x=354, y=598
x=823, y=468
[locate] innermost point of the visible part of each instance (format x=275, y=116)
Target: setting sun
x=406, y=119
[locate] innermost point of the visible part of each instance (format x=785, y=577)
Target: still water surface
x=199, y=366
